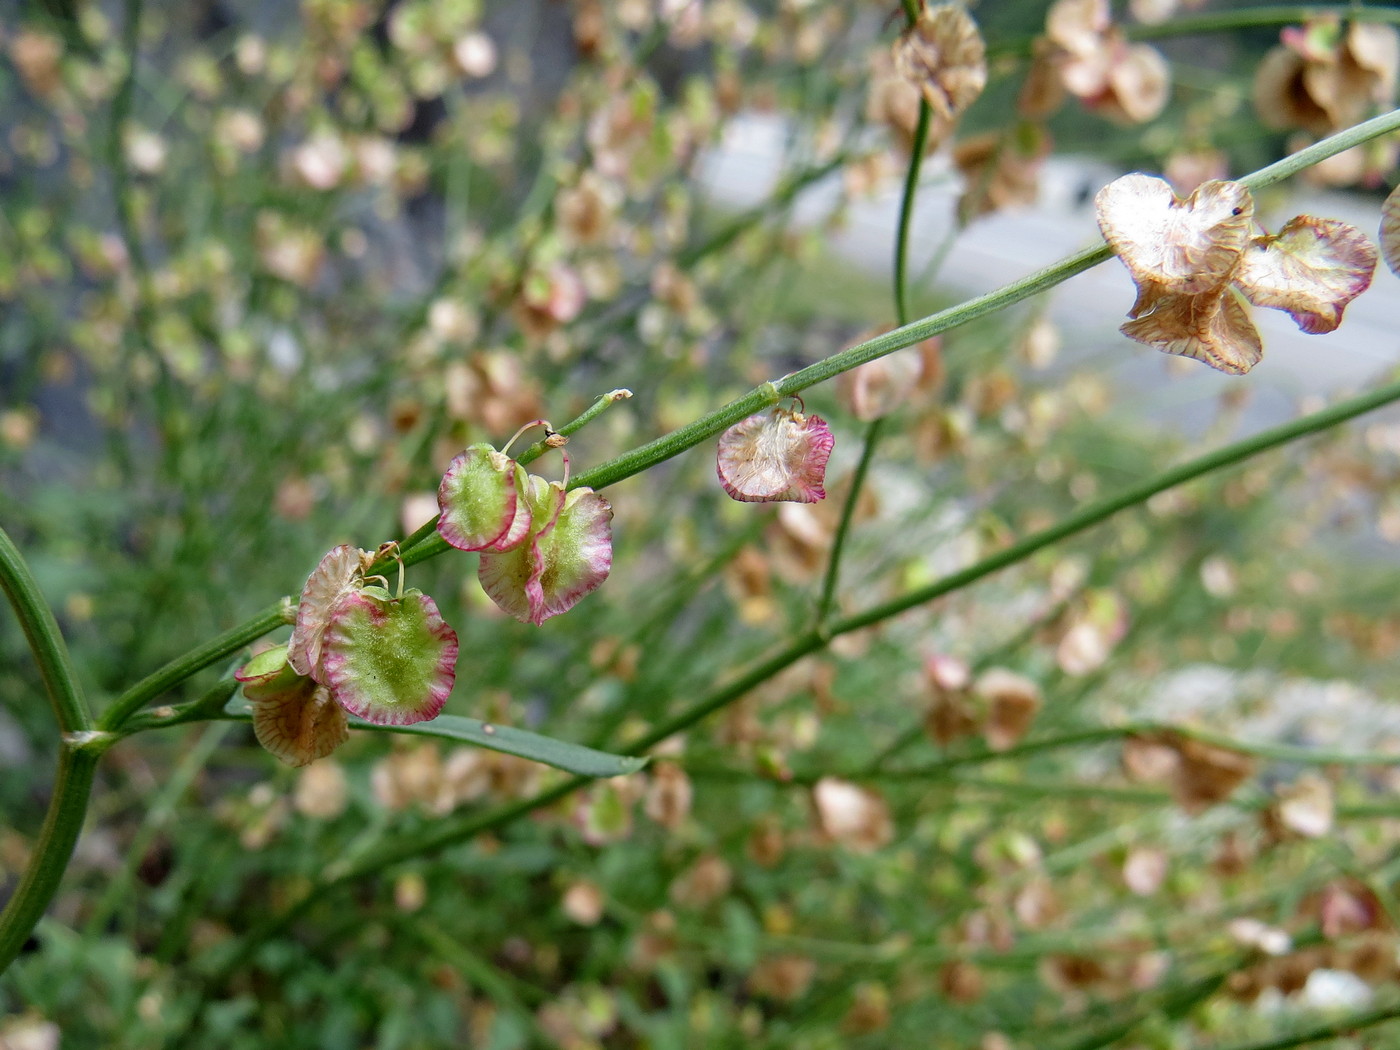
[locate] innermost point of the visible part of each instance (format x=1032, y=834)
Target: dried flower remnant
x=1000, y=170
x=1205, y=773
x=893, y=101
x=1012, y=703
x=944, y=56
x=1324, y=77
x=869, y=1011
x=322, y=791
x=854, y=817
x=1312, y=268
x=1144, y=870
x=950, y=715
x=780, y=455
x=339, y=573
x=1305, y=808
x=1390, y=231
x=704, y=882
x=294, y=718
x=1171, y=246
x=1128, y=83
x=877, y=388
x=669, y=795
x=583, y=903
x=1185, y=256
x=782, y=977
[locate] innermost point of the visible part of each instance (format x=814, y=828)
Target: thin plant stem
x=46, y=643
x=848, y=512
x=1341, y=1028
x=79, y=750
x=72, y=787
x=901, y=312
x=194, y=661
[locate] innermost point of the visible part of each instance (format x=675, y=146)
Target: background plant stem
x=77, y=756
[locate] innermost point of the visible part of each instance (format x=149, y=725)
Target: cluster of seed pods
x=390, y=659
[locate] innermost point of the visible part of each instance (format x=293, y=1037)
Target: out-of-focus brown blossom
x=765, y=845
x=1011, y=702
x=961, y=982
x=1144, y=870
x=37, y=56
x=852, y=816
x=943, y=55
x=586, y=209
x=950, y=714
x=1000, y=170
x=1036, y=904
x=1306, y=808
x=549, y=298
x=292, y=252
x=668, y=796
x=1324, y=77
x=869, y=1010
x=1128, y=83
x=1344, y=907
x=322, y=790
x=655, y=942
x=1067, y=973
x=491, y=390
x=878, y=387
x=1095, y=625
x=1187, y=169
x=583, y=903
x=782, y=977
x=705, y=881
x=1205, y=773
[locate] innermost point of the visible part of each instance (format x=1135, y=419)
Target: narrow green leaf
x=572, y=758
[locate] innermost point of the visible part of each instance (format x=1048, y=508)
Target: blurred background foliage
x=260, y=284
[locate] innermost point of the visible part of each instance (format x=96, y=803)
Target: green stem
x=906, y=214
x=78, y=753
x=63, y=824
x=1339, y=1029
x=45, y=640
x=901, y=312
x=196, y=660
x=848, y=512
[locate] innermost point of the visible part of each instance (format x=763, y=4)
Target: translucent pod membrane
x=1193, y=259
x=566, y=555
x=294, y=718
x=391, y=661
x=778, y=455
x=479, y=500
x=339, y=573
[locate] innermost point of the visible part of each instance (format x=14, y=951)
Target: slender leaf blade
x=572, y=758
